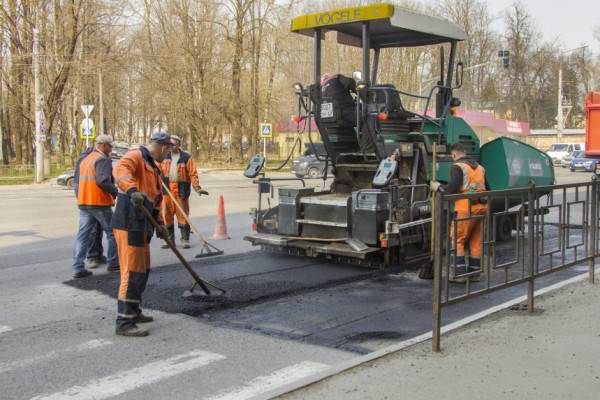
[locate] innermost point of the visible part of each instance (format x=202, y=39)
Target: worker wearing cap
x=466, y=176
x=95, y=197
x=138, y=179
x=179, y=175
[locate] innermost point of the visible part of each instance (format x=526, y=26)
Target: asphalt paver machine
x=377, y=210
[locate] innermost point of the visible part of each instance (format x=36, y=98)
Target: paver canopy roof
x=389, y=26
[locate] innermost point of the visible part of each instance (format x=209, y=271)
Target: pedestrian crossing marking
x=277, y=379
x=126, y=381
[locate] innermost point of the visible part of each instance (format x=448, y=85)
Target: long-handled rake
x=207, y=250
x=203, y=283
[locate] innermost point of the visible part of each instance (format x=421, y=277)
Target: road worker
x=466, y=176
x=95, y=256
x=179, y=175
x=138, y=178
x=95, y=196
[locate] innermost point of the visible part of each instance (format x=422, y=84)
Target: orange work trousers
x=134, y=259
x=169, y=209
x=468, y=234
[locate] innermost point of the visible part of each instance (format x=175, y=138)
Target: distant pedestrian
x=95, y=196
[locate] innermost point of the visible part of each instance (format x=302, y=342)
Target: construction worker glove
x=162, y=232
x=434, y=186
x=200, y=192
x=137, y=199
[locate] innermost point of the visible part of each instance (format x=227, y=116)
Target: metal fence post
x=593, y=229
x=531, y=245
x=436, y=223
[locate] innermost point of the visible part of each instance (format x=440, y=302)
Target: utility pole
x=101, y=110
x=39, y=136
x=560, y=123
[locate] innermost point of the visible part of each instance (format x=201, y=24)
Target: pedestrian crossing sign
x=87, y=129
x=266, y=130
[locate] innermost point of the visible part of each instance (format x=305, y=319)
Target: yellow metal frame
x=342, y=16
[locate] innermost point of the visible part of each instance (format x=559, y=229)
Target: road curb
x=358, y=361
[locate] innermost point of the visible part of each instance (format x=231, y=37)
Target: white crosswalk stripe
x=272, y=381
x=89, y=345
x=125, y=381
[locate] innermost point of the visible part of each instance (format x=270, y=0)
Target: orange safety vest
x=90, y=194
x=473, y=182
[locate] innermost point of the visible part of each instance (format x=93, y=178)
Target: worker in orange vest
x=466, y=176
x=179, y=175
x=95, y=197
x=138, y=178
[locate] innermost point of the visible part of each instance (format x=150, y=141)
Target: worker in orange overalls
x=179, y=175
x=466, y=176
x=138, y=178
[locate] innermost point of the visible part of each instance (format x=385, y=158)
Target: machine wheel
x=504, y=228
x=313, y=173
x=71, y=183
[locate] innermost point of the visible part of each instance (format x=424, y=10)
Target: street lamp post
x=560, y=117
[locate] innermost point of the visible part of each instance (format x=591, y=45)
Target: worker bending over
x=179, y=175
x=466, y=176
x=95, y=197
x=138, y=178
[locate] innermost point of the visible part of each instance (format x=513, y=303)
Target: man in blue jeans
x=95, y=197
x=95, y=255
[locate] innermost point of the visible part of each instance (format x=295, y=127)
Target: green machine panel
x=509, y=163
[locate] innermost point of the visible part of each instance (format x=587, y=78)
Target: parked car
x=583, y=162
x=566, y=160
x=119, y=151
x=309, y=166
x=558, y=150
x=66, y=178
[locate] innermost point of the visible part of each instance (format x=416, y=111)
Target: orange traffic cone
x=221, y=227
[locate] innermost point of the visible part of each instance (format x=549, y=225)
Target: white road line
x=125, y=381
x=92, y=344
x=4, y=328
x=277, y=379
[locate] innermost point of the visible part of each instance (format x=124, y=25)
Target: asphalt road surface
x=283, y=318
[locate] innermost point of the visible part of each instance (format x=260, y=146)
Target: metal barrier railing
x=553, y=228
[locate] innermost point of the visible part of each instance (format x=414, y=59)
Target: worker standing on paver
x=466, y=176
x=179, y=175
x=95, y=197
x=138, y=177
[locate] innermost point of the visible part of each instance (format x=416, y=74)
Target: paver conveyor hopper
x=377, y=210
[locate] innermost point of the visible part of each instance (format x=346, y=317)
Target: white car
x=558, y=150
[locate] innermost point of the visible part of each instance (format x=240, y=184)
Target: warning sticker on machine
x=326, y=110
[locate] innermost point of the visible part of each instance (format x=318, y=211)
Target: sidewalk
x=552, y=354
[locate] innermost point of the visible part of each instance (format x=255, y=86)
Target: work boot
x=131, y=330
x=113, y=268
x=457, y=272
x=82, y=274
x=91, y=263
x=185, y=236
x=142, y=319
x=171, y=230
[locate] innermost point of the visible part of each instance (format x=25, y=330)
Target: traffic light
x=505, y=56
